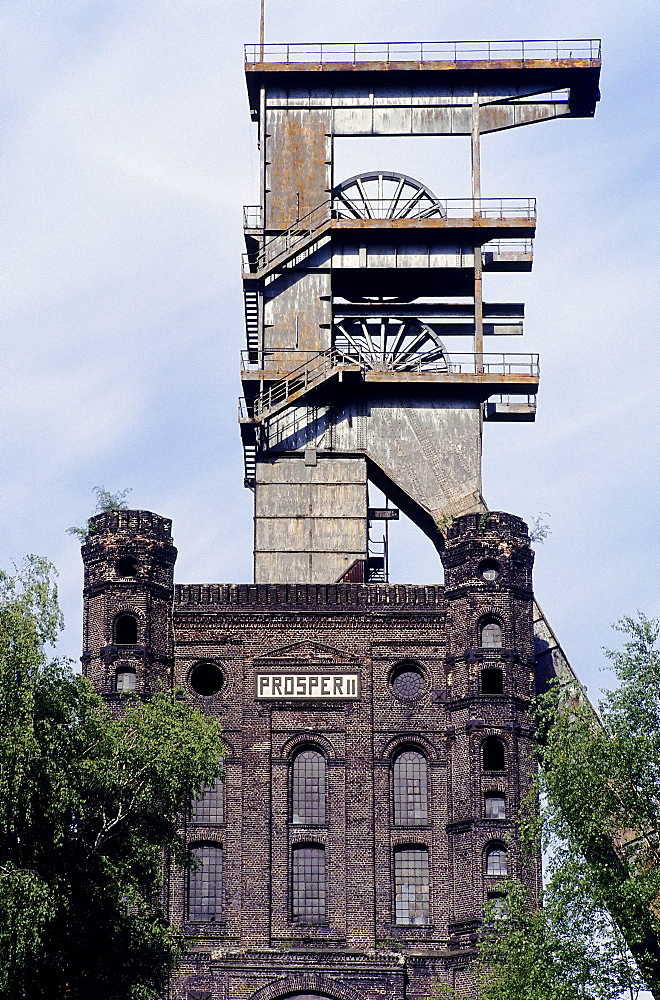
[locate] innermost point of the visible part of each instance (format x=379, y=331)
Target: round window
x=407, y=681
x=206, y=679
x=489, y=570
x=127, y=566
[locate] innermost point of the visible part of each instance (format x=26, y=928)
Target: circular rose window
x=407, y=681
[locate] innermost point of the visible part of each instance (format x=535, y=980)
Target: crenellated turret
x=129, y=587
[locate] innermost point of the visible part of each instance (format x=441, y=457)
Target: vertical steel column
x=476, y=211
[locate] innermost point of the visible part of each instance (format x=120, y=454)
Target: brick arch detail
x=392, y=746
x=311, y=739
x=305, y=982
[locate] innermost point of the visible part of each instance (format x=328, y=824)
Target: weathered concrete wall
x=310, y=518
x=429, y=448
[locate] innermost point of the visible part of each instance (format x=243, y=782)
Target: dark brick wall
x=256, y=951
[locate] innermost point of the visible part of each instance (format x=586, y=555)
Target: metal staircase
x=299, y=382
x=251, y=302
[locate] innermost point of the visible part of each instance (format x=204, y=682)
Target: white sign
x=298, y=686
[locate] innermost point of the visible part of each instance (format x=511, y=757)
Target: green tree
x=598, y=932
x=90, y=805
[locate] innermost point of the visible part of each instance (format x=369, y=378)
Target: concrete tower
x=355, y=288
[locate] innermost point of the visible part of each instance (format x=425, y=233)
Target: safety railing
x=519, y=50
x=490, y=209
x=504, y=363
x=253, y=217
x=497, y=247
x=509, y=399
x=314, y=370
x=323, y=365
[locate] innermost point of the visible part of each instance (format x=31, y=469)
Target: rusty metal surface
x=348, y=289
x=297, y=164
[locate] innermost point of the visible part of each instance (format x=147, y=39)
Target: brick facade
x=256, y=951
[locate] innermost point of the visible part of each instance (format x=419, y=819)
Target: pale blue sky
x=127, y=155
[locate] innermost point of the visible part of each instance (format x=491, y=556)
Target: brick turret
x=129, y=588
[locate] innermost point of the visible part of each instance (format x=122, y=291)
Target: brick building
x=361, y=825
x=378, y=737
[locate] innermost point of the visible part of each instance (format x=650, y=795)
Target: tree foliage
x=89, y=807
x=105, y=501
x=598, y=932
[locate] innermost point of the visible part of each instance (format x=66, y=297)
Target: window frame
x=217, y=785
x=193, y=848
x=122, y=672
x=490, y=850
x=321, y=896
x=116, y=620
x=490, y=796
x=493, y=770
x=486, y=622
x=402, y=667
x=321, y=807
x=397, y=879
x=396, y=756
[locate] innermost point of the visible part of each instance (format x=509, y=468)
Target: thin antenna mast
x=262, y=21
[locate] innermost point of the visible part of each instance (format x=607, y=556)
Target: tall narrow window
x=205, y=883
x=409, y=788
x=308, y=789
x=491, y=635
x=126, y=630
x=210, y=809
x=308, y=901
x=496, y=861
x=411, y=885
x=493, y=754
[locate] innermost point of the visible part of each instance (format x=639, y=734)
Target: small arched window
x=126, y=630
x=210, y=809
x=491, y=635
x=409, y=789
x=493, y=755
x=495, y=805
x=126, y=680
x=308, y=788
x=496, y=860
x=205, y=883
x=308, y=893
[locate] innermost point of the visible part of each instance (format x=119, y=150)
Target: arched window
x=496, y=860
x=495, y=805
x=126, y=630
x=126, y=680
x=491, y=635
x=210, y=809
x=409, y=789
x=308, y=788
x=308, y=898
x=411, y=885
x=492, y=680
x=205, y=883
x=493, y=754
